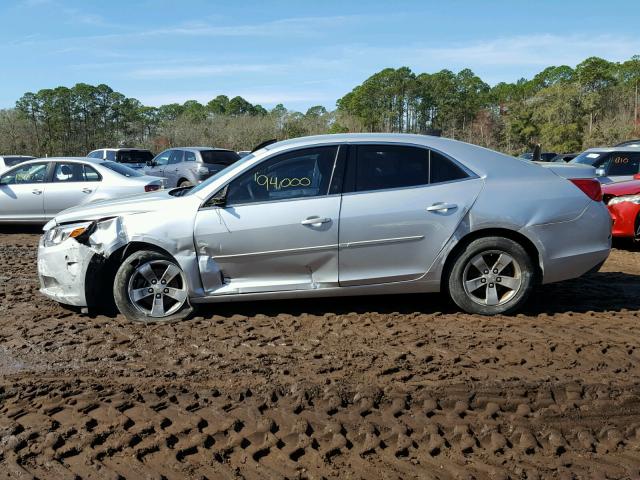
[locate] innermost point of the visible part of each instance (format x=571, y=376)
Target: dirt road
x=384, y=387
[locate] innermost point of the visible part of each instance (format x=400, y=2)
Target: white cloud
x=191, y=71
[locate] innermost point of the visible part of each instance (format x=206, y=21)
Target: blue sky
x=299, y=53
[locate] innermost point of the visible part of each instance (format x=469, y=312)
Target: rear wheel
x=151, y=287
x=492, y=275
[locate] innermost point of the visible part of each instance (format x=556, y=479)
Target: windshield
x=588, y=158
x=121, y=169
x=13, y=161
x=134, y=156
x=213, y=178
x=220, y=157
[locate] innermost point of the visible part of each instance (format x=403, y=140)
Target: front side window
x=298, y=174
x=95, y=154
x=380, y=167
x=32, y=173
x=74, y=172
x=163, y=158
x=624, y=163
x=175, y=157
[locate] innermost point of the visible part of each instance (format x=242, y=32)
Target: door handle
x=441, y=207
x=36, y=191
x=315, y=221
x=86, y=190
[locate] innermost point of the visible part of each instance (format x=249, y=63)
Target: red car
x=623, y=200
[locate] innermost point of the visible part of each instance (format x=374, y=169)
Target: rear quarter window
x=221, y=157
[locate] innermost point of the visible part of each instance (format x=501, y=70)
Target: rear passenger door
x=72, y=184
x=400, y=206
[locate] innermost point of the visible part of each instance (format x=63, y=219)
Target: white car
x=37, y=190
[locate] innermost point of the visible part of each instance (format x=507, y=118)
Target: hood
x=569, y=170
x=630, y=187
x=145, y=202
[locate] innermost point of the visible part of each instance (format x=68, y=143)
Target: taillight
x=590, y=186
x=151, y=188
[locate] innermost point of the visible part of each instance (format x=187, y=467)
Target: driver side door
x=22, y=193
x=279, y=228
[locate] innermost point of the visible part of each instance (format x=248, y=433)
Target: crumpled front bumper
x=62, y=270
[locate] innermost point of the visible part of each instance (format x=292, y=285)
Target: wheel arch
x=517, y=237
x=102, y=271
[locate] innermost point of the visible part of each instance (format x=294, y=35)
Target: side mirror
x=150, y=163
x=600, y=172
x=219, y=199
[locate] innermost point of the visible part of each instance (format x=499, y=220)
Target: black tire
x=185, y=183
x=123, y=280
x=465, y=272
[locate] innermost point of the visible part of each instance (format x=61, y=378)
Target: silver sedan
x=353, y=214
x=37, y=190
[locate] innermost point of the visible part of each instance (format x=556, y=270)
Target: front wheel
x=151, y=287
x=492, y=275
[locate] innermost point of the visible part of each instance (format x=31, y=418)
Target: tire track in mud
x=97, y=430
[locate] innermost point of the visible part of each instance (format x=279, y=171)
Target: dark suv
x=612, y=164
x=186, y=166
x=137, y=158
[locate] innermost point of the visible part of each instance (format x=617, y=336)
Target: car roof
x=97, y=161
x=122, y=149
x=613, y=149
x=201, y=149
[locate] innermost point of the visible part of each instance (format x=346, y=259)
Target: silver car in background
x=332, y=215
x=188, y=166
x=37, y=190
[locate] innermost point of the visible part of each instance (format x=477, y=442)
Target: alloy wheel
x=157, y=288
x=492, y=277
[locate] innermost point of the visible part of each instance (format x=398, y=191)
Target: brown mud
x=368, y=387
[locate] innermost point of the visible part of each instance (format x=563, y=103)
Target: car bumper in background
x=573, y=248
x=62, y=271
x=624, y=216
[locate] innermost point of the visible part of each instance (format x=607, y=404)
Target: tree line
x=562, y=108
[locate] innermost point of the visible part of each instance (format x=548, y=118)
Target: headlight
x=625, y=198
x=59, y=234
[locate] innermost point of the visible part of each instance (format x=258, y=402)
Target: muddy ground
x=385, y=387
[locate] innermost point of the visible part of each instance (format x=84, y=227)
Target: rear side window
x=175, y=157
x=189, y=157
x=221, y=157
x=380, y=167
x=624, y=163
x=111, y=155
x=121, y=169
x=443, y=170
x=75, y=172
x=134, y=156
